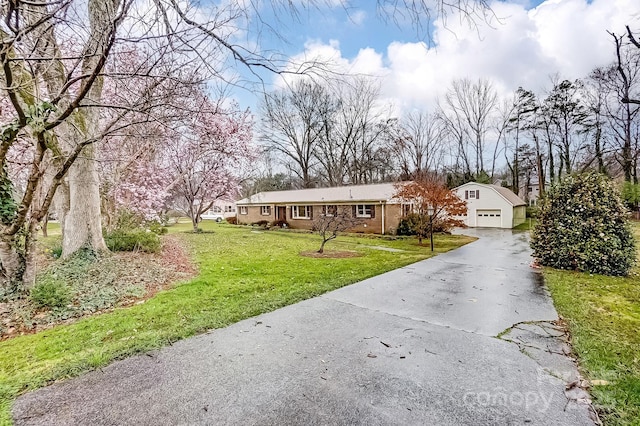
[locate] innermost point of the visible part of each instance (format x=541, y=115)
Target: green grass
x=242, y=273
x=527, y=225
x=603, y=314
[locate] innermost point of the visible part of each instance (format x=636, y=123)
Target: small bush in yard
x=408, y=224
x=50, y=293
x=133, y=240
x=157, y=228
x=232, y=220
x=582, y=225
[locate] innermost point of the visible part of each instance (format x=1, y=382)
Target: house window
x=229, y=209
x=243, y=210
x=265, y=210
x=472, y=194
x=217, y=209
x=407, y=209
x=301, y=212
x=364, y=210
x=329, y=210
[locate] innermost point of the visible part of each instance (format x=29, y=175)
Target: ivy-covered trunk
x=13, y=265
x=18, y=259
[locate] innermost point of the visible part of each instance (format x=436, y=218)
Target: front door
x=281, y=213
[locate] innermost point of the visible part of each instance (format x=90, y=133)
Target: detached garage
x=491, y=206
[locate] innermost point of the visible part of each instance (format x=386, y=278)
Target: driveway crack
x=435, y=324
x=548, y=344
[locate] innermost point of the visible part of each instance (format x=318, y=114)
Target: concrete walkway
x=464, y=338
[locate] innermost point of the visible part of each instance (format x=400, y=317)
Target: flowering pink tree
x=207, y=156
x=144, y=193
x=135, y=174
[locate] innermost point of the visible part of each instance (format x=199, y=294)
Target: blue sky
x=356, y=26
x=529, y=42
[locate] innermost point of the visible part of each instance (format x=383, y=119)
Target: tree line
x=339, y=131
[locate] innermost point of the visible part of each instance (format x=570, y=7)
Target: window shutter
x=466, y=195
x=324, y=210
x=310, y=212
x=373, y=211
x=477, y=194
x=354, y=211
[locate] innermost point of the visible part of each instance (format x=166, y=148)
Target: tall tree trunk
x=552, y=172
x=83, y=224
x=12, y=261
x=598, y=148
x=29, y=276
x=45, y=224
x=541, y=173
x=627, y=162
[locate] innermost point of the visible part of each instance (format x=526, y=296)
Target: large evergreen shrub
x=582, y=225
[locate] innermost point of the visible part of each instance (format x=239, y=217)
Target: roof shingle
x=340, y=194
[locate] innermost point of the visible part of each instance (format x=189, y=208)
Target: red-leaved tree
x=433, y=205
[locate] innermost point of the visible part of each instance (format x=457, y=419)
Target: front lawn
x=603, y=314
x=243, y=273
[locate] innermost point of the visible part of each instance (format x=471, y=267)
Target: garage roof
x=506, y=193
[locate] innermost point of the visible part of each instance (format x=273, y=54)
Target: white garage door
x=489, y=218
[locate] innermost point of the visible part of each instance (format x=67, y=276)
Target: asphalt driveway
x=464, y=338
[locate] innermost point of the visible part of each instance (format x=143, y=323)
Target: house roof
x=340, y=194
x=506, y=193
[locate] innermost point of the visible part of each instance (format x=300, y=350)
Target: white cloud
x=522, y=48
x=358, y=17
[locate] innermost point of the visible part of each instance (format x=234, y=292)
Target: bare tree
x=421, y=14
x=520, y=117
x=596, y=93
x=333, y=130
x=625, y=84
x=293, y=122
x=472, y=104
x=635, y=42
x=457, y=135
x=418, y=144
x=568, y=116
x=355, y=125
x=362, y=123
x=333, y=221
